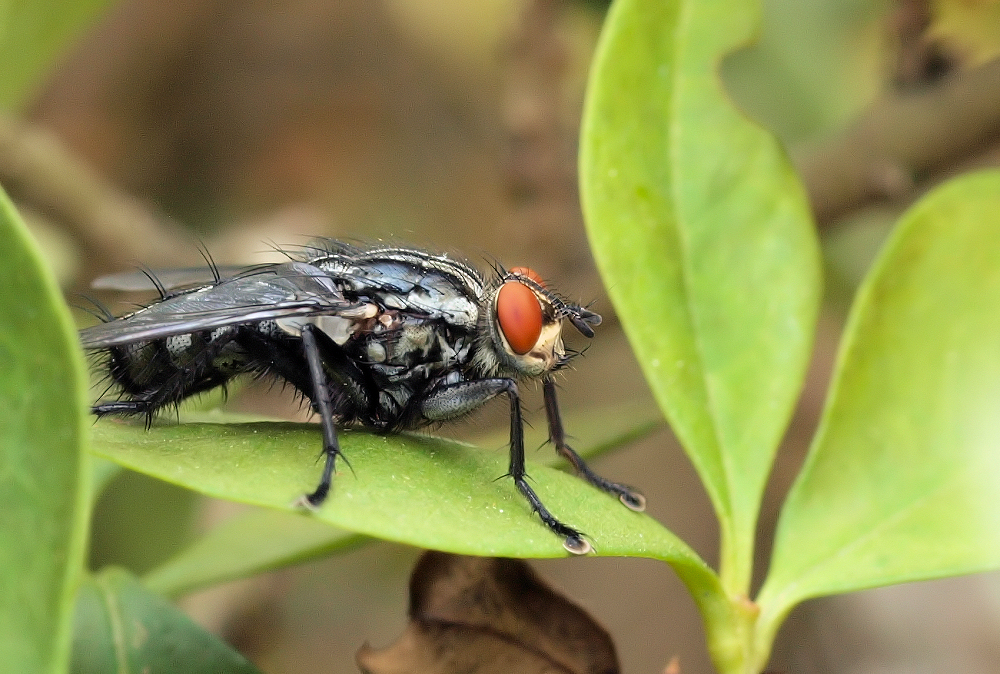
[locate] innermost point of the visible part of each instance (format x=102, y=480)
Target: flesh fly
x=384, y=337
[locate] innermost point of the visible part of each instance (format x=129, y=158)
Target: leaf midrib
x=724, y=460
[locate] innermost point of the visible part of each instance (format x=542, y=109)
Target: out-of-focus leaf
x=247, y=544
x=44, y=470
x=903, y=478
x=33, y=33
x=970, y=28
x=140, y=522
x=481, y=615
x=121, y=627
x=703, y=236
x=813, y=67
x=102, y=473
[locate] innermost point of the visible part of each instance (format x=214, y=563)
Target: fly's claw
x=633, y=500
x=575, y=543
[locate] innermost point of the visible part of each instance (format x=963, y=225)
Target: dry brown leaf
x=485, y=616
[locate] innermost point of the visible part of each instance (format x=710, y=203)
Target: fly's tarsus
x=573, y=540
x=629, y=496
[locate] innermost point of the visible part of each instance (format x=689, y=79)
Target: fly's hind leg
x=460, y=398
x=122, y=407
x=127, y=408
x=627, y=495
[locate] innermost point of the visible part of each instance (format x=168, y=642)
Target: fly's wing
x=276, y=291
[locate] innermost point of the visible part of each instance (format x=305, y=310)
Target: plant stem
x=732, y=637
x=735, y=555
x=730, y=622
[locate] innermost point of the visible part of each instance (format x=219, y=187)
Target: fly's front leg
x=321, y=398
x=460, y=398
x=627, y=495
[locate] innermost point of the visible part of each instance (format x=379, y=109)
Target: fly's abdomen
x=164, y=371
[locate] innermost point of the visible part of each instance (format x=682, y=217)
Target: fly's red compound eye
x=530, y=273
x=519, y=313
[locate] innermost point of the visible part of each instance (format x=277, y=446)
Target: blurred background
x=453, y=125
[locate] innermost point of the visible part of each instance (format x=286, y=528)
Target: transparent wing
x=275, y=291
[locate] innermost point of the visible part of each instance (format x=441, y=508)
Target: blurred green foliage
x=34, y=34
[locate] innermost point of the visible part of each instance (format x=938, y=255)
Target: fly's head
x=524, y=321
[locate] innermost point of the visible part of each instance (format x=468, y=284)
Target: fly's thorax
x=521, y=328
x=410, y=281
x=373, y=335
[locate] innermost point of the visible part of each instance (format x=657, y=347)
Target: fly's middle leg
x=460, y=398
x=557, y=436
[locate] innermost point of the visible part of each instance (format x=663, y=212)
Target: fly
x=384, y=337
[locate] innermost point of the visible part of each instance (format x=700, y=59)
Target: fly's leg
x=127, y=408
x=122, y=407
x=148, y=404
x=627, y=495
x=572, y=539
x=321, y=398
x=460, y=398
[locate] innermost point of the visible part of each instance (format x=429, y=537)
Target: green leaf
x=422, y=491
x=101, y=474
x=122, y=627
x=32, y=34
x=44, y=470
x=246, y=544
x=813, y=67
x=703, y=236
x=903, y=478
x=262, y=540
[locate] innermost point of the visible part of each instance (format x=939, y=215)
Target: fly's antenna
x=581, y=318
